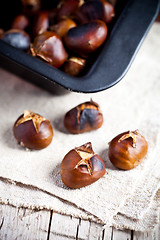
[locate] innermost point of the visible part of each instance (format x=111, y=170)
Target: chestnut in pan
x=49, y=47
x=94, y=10
x=20, y=22
x=86, y=38
x=17, y=38
x=41, y=23
x=63, y=26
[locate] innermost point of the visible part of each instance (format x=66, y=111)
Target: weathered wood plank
x=23, y=224
x=63, y=227
x=95, y=231
x=121, y=235
x=107, y=234
x=89, y=231
x=152, y=235
x=143, y=236
x=83, y=229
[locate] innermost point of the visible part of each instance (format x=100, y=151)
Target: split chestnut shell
x=81, y=167
x=33, y=131
x=49, y=47
x=85, y=117
x=127, y=150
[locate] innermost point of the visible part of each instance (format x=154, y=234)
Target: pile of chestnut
x=81, y=166
x=65, y=36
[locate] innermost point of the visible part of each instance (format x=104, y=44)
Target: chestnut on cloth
x=123, y=199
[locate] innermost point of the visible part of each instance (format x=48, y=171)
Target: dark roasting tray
x=127, y=32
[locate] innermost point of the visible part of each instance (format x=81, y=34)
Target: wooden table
x=25, y=224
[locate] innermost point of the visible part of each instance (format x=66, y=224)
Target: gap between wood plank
x=112, y=234
x=78, y=229
x=132, y=233
x=103, y=234
x=49, y=226
x=2, y=223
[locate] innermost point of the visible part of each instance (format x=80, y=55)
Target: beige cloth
x=120, y=198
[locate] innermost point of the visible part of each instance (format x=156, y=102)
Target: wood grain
x=25, y=224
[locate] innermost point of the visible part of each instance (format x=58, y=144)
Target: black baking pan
x=132, y=22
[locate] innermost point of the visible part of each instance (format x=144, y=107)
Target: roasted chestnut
x=66, y=8
x=20, y=22
x=31, y=7
x=109, y=11
x=85, y=117
x=17, y=38
x=63, y=33
x=33, y=131
x=49, y=47
x=86, y=38
x=127, y=150
x=81, y=167
x=74, y=66
x=62, y=27
x=41, y=23
x=94, y=10
x=90, y=10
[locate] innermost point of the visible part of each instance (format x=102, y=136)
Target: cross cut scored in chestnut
x=130, y=134
x=86, y=153
x=29, y=115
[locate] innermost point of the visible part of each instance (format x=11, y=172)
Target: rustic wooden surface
x=25, y=224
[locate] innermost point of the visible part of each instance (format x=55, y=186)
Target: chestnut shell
x=63, y=26
x=41, y=23
x=17, y=38
x=26, y=135
x=83, y=118
x=66, y=8
x=49, y=47
x=78, y=177
x=86, y=38
x=94, y=10
x=20, y=22
x=123, y=154
x=74, y=66
x=90, y=10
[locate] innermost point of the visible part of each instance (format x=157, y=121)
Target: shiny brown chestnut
x=20, y=22
x=85, y=117
x=90, y=10
x=41, y=23
x=62, y=27
x=17, y=38
x=82, y=167
x=30, y=7
x=66, y=8
x=127, y=150
x=74, y=66
x=33, y=131
x=109, y=11
x=94, y=10
x=86, y=38
x=49, y=47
